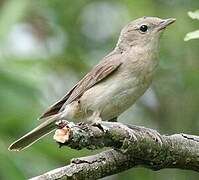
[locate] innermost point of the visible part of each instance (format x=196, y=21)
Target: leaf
x=194, y=15
x=192, y=35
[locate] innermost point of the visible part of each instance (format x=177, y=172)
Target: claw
x=61, y=124
x=133, y=136
x=155, y=136
x=95, y=117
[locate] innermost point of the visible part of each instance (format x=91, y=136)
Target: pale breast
x=118, y=92
x=114, y=95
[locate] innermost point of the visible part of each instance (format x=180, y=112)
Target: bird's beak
x=164, y=23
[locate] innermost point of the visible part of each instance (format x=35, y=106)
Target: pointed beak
x=164, y=23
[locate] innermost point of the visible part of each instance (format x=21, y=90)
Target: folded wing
x=105, y=68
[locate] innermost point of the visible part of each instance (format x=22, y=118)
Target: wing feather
x=54, y=109
x=97, y=74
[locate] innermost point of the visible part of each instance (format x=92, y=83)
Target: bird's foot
x=95, y=118
x=61, y=124
x=97, y=121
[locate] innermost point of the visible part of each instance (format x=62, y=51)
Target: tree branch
x=132, y=145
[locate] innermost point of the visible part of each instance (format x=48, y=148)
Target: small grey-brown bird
x=113, y=85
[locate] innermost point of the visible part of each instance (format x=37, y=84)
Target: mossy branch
x=132, y=146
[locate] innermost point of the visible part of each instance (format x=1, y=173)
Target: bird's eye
x=143, y=28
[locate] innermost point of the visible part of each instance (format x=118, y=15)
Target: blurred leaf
x=29, y=83
x=192, y=35
x=194, y=15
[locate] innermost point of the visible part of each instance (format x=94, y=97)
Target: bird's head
x=143, y=31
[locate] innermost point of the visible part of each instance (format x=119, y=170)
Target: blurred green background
x=46, y=46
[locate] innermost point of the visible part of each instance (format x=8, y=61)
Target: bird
x=112, y=86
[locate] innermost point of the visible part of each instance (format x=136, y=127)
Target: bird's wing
x=98, y=73
x=54, y=109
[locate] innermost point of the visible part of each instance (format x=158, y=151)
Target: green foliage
x=194, y=34
x=46, y=46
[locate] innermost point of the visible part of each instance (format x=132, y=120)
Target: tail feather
x=28, y=139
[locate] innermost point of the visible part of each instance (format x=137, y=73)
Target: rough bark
x=132, y=146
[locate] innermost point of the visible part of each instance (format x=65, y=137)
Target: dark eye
x=143, y=28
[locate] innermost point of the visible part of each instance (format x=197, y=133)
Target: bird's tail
x=28, y=139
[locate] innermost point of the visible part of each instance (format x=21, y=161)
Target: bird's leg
x=95, y=118
x=96, y=121
x=61, y=124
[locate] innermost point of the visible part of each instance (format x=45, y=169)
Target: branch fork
x=132, y=146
